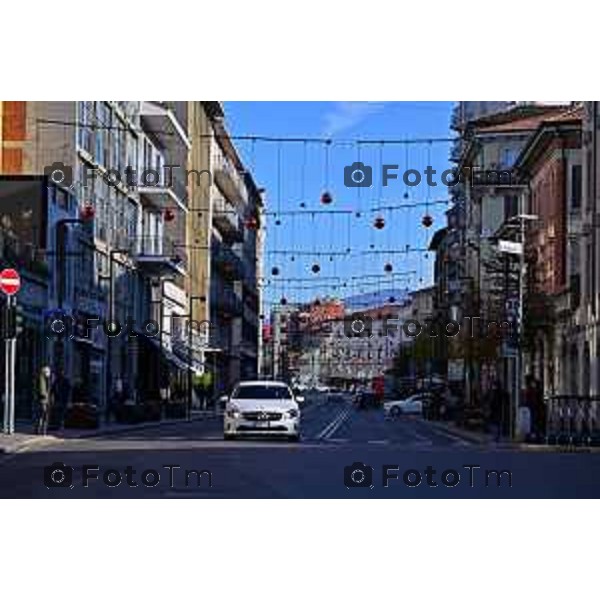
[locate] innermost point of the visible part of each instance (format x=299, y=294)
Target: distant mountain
x=374, y=299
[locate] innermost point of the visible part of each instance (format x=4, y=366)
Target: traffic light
x=11, y=321
x=19, y=320
x=8, y=324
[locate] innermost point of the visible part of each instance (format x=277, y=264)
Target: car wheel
x=294, y=438
x=395, y=411
x=230, y=437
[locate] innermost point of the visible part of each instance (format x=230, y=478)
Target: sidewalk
x=470, y=435
x=25, y=438
x=489, y=439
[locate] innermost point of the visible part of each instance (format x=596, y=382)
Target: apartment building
x=487, y=201
x=225, y=240
x=172, y=236
x=113, y=239
x=551, y=166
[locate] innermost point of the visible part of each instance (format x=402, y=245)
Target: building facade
x=135, y=234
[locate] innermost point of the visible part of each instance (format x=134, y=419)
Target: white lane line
x=339, y=423
x=332, y=427
x=382, y=442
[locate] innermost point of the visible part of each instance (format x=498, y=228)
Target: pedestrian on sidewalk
x=498, y=408
x=538, y=409
x=61, y=393
x=44, y=400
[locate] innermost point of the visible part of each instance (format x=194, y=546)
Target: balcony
x=158, y=255
x=227, y=220
x=162, y=197
x=159, y=120
x=229, y=181
x=228, y=262
x=228, y=303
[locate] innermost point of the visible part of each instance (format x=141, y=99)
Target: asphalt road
x=416, y=459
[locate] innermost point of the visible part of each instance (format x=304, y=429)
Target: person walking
x=499, y=401
x=44, y=398
x=61, y=395
x=539, y=420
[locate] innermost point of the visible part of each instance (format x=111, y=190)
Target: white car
x=412, y=405
x=266, y=408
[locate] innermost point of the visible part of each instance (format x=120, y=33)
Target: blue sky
x=295, y=173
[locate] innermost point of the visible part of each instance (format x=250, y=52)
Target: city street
x=335, y=435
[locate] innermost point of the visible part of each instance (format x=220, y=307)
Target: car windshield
x=263, y=392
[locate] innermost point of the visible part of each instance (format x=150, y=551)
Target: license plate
x=262, y=424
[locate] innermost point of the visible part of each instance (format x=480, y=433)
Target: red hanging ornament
x=427, y=220
x=87, y=212
x=283, y=300
x=379, y=223
x=251, y=223
x=388, y=268
x=326, y=198
x=168, y=215
x=316, y=268
x=275, y=271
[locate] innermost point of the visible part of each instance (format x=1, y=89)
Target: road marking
x=379, y=442
x=334, y=425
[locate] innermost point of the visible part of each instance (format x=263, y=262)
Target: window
x=511, y=206
x=130, y=218
x=85, y=126
x=262, y=392
x=576, y=186
x=509, y=156
x=99, y=153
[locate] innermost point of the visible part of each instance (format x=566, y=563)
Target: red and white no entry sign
x=10, y=282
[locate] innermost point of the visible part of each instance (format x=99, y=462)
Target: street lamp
x=519, y=221
x=111, y=286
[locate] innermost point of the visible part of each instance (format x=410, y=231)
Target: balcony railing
x=227, y=220
x=160, y=121
x=227, y=302
x=229, y=180
x=159, y=253
x=573, y=420
x=228, y=262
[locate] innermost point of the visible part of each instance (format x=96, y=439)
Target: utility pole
x=10, y=284
x=10, y=350
x=111, y=315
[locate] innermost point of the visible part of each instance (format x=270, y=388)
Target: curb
x=479, y=438
x=6, y=454
x=470, y=436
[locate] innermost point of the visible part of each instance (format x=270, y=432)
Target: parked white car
x=412, y=405
x=266, y=408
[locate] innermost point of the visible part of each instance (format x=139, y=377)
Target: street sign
x=456, y=369
x=510, y=247
x=10, y=282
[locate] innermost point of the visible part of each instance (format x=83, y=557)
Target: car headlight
x=233, y=413
x=292, y=413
